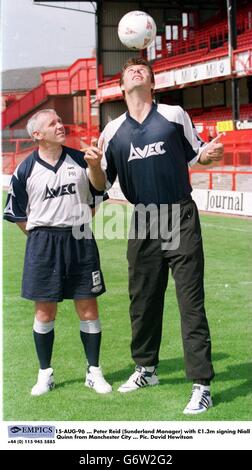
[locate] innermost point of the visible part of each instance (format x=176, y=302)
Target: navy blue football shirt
x=151, y=159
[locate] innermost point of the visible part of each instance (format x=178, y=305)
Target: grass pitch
x=228, y=285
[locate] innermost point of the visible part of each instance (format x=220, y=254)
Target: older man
x=47, y=192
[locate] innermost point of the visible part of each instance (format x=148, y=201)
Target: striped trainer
x=142, y=377
x=200, y=400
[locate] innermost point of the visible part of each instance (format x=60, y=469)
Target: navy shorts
x=57, y=266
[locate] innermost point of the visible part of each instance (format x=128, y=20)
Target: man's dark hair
x=136, y=61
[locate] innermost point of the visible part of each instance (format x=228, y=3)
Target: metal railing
x=79, y=137
x=210, y=174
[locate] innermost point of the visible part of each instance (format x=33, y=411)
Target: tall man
x=149, y=148
x=48, y=193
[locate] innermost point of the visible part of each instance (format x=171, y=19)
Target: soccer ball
x=137, y=30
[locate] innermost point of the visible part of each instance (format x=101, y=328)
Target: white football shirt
x=52, y=196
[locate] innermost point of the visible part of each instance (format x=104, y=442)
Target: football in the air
x=137, y=30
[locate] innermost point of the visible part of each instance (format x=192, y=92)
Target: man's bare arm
x=22, y=226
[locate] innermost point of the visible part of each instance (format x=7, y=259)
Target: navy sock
x=91, y=343
x=44, y=347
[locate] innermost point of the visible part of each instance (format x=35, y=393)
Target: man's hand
x=213, y=152
x=93, y=154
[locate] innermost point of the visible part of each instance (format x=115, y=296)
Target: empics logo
x=31, y=431
x=15, y=429
x=148, y=151
x=63, y=190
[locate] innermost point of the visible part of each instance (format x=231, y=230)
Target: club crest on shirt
x=71, y=171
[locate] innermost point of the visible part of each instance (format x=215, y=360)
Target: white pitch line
x=204, y=224
x=228, y=284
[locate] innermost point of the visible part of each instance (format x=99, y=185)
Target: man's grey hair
x=32, y=124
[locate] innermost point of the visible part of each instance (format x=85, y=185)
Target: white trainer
x=95, y=380
x=142, y=377
x=45, y=382
x=200, y=400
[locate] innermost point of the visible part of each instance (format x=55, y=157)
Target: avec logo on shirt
x=147, y=151
x=59, y=191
